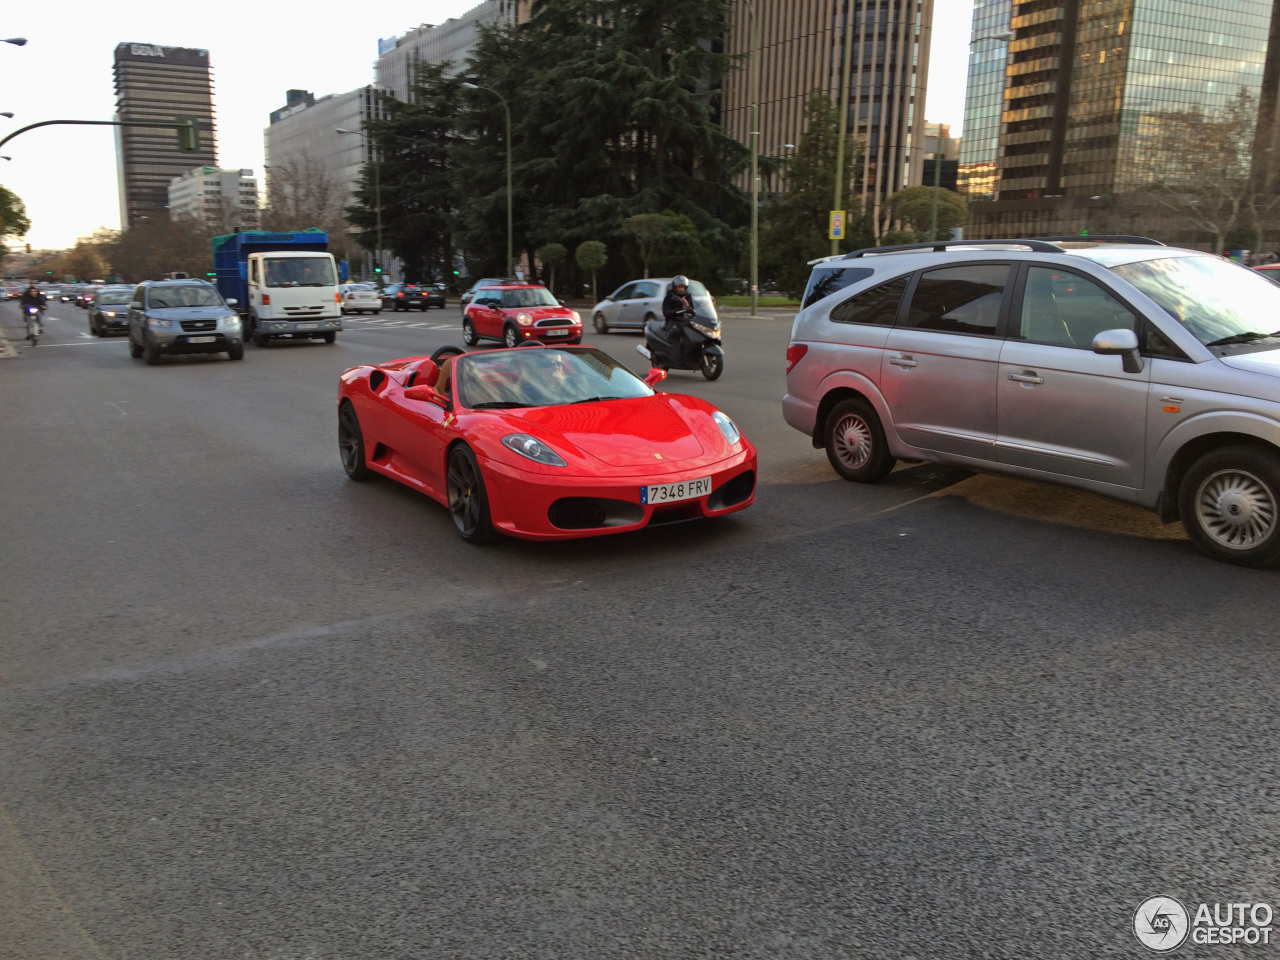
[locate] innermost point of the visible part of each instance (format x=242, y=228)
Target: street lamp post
x=842, y=130
x=510, y=217
x=754, y=81
x=377, y=198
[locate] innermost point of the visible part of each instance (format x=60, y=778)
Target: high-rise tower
x=155, y=83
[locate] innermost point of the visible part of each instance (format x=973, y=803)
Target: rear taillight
x=399, y=294
x=795, y=353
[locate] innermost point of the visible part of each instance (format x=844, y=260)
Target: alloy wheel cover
x=853, y=441
x=1236, y=509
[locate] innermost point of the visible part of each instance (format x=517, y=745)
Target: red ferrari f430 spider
x=542, y=443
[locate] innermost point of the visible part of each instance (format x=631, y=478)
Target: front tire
x=468, y=502
x=600, y=323
x=855, y=442
x=261, y=339
x=510, y=337
x=236, y=352
x=150, y=355
x=1230, y=505
x=712, y=366
x=135, y=351
x=330, y=337
x=351, y=444
x=469, y=333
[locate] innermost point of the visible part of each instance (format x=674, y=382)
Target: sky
x=67, y=175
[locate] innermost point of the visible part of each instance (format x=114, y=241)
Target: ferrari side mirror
x=655, y=376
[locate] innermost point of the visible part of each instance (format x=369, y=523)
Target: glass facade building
x=984, y=98
x=1099, y=99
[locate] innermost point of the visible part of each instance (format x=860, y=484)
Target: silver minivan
x=634, y=304
x=1143, y=372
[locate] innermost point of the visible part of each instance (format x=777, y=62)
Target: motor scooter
x=690, y=342
x=32, y=315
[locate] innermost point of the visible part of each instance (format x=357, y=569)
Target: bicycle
x=34, y=325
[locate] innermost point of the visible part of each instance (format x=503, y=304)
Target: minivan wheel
x=1230, y=505
x=855, y=442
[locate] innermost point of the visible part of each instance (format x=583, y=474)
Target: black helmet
x=680, y=280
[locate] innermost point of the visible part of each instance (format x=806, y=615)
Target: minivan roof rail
x=1034, y=244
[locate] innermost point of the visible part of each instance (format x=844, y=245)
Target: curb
x=6, y=348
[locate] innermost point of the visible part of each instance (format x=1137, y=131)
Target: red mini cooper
x=516, y=312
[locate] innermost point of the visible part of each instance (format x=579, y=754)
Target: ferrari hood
x=639, y=432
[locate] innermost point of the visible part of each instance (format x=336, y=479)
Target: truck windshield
x=300, y=272
x=159, y=298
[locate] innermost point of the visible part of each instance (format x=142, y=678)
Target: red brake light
x=794, y=354
x=400, y=294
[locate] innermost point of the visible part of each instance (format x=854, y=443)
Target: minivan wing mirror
x=1122, y=343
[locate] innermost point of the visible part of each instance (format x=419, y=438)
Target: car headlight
x=524, y=319
x=727, y=427
x=109, y=313
x=155, y=323
x=232, y=321
x=577, y=317
x=533, y=449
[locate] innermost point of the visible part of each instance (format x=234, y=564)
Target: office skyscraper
x=802, y=46
x=1093, y=91
x=155, y=83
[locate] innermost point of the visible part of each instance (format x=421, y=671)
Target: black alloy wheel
x=351, y=444
x=467, y=500
x=712, y=366
x=510, y=336
x=855, y=442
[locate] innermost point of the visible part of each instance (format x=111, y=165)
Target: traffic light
x=457, y=273
x=211, y=273
x=1084, y=233
x=377, y=269
x=188, y=134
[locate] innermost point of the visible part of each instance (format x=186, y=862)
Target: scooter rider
x=32, y=297
x=677, y=303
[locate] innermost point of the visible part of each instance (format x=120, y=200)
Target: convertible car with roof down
x=542, y=443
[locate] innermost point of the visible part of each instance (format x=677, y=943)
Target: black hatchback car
x=109, y=310
x=406, y=296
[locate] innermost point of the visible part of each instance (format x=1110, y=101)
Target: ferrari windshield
x=543, y=377
x=1220, y=302
x=191, y=295
x=528, y=297
x=300, y=272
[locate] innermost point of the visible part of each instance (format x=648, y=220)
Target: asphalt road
x=249, y=709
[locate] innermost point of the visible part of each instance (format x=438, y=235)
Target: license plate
x=202, y=339
x=557, y=333
x=307, y=326
x=670, y=492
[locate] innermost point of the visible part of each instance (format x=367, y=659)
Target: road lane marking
x=446, y=326
x=90, y=343
x=417, y=324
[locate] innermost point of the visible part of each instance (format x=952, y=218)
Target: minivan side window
x=962, y=299
x=1068, y=310
x=824, y=281
x=879, y=305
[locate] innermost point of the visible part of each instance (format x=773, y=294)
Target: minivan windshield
x=189, y=295
x=300, y=272
x=1220, y=302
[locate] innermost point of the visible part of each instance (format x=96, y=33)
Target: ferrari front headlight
x=727, y=427
x=533, y=449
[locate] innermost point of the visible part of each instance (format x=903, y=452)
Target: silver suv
x=1143, y=372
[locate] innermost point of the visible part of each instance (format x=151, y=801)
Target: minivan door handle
x=903, y=361
x=1028, y=377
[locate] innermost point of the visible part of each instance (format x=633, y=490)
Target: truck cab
x=286, y=284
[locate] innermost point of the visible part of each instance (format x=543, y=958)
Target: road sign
x=836, y=229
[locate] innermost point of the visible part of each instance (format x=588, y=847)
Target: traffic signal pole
x=188, y=133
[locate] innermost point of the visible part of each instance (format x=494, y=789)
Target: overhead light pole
x=842, y=130
x=754, y=82
x=510, y=217
x=377, y=197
